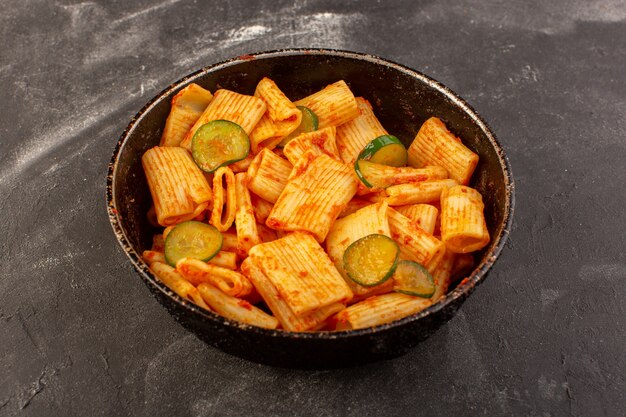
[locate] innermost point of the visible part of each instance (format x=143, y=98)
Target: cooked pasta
x=424, y=215
x=378, y=310
x=179, y=190
x=268, y=175
x=463, y=226
x=417, y=192
x=415, y=244
x=247, y=232
x=436, y=145
x=320, y=141
x=353, y=135
x=308, y=218
x=187, y=106
x=318, y=190
x=235, y=308
x=281, y=118
x=244, y=110
x=334, y=105
x=224, y=197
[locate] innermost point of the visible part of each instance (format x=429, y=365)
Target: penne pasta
x=419, y=192
x=302, y=273
x=247, y=233
x=379, y=310
x=318, y=189
x=282, y=311
x=228, y=281
x=281, y=118
x=268, y=175
x=175, y=282
x=244, y=110
x=463, y=226
x=334, y=105
x=187, y=106
x=224, y=197
x=353, y=135
x=179, y=190
x=415, y=244
x=424, y=215
x=436, y=145
x=235, y=308
x=320, y=141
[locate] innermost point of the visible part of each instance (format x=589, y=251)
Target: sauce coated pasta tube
x=224, y=197
x=353, y=135
x=379, y=309
x=179, y=190
x=235, y=308
x=334, y=105
x=436, y=145
x=281, y=118
x=463, y=227
x=187, y=106
x=268, y=175
x=242, y=109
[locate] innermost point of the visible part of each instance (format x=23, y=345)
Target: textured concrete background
x=544, y=335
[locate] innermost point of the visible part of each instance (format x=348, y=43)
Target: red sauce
x=245, y=304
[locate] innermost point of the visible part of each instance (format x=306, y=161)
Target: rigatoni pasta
x=320, y=141
x=179, y=190
x=296, y=216
x=268, y=174
x=436, y=145
x=334, y=105
x=379, y=310
x=417, y=192
x=224, y=199
x=317, y=191
x=424, y=215
x=463, y=226
x=187, y=106
x=242, y=109
x=281, y=118
x=353, y=135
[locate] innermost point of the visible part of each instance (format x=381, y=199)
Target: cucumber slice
x=192, y=239
x=309, y=123
x=371, y=260
x=219, y=143
x=385, y=150
x=413, y=279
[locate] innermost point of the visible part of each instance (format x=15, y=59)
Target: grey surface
x=544, y=335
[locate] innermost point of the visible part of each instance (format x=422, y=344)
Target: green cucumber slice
x=219, y=143
x=192, y=239
x=371, y=260
x=372, y=174
x=413, y=279
x=308, y=123
x=385, y=150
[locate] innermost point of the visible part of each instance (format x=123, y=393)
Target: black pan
x=402, y=99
